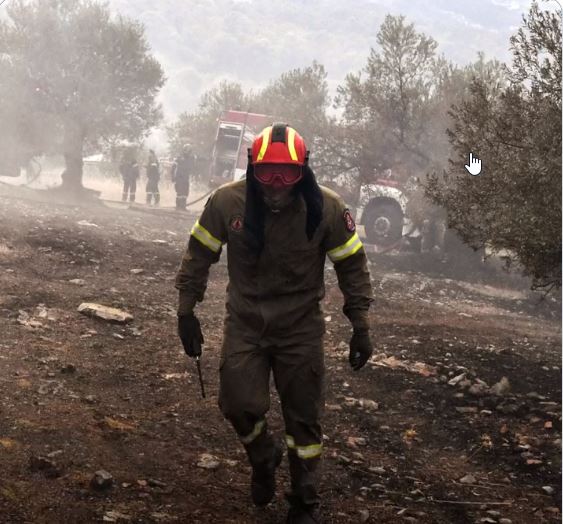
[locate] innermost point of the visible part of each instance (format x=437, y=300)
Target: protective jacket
x=183, y=168
x=275, y=294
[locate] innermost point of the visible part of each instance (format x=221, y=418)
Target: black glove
x=360, y=349
x=190, y=334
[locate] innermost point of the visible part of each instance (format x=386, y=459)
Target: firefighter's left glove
x=360, y=349
x=189, y=331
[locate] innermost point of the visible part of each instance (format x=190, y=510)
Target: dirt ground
x=427, y=432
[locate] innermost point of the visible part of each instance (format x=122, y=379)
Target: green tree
x=453, y=85
x=388, y=104
x=92, y=74
x=300, y=98
x=515, y=204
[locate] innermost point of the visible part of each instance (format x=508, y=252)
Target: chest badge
x=236, y=223
x=349, y=221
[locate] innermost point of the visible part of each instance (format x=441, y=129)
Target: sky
x=201, y=42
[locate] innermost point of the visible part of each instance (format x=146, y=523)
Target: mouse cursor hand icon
x=474, y=167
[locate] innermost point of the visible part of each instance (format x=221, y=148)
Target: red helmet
x=279, y=144
x=278, y=155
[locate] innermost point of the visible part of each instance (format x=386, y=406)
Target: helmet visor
x=287, y=174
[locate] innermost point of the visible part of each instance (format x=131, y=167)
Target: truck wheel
x=383, y=224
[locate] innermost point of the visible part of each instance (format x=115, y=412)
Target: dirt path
x=402, y=445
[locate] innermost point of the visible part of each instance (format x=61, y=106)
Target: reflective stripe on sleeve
x=265, y=140
x=345, y=250
x=304, y=452
x=291, y=143
x=205, y=237
x=258, y=427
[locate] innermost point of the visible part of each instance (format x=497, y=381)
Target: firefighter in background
x=129, y=170
x=279, y=225
x=434, y=226
x=430, y=218
x=153, y=177
x=184, y=167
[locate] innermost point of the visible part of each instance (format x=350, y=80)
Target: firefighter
x=153, y=176
x=129, y=170
x=183, y=168
x=279, y=225
x=434, y=226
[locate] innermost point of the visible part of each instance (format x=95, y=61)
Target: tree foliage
x=93, y=75
x=387, y=105
x=395, y=111
x=298, y=97
x=198, y=129
x=515, y=204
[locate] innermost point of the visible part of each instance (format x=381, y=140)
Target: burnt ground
x=80, y=395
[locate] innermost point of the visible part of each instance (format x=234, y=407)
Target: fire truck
x=381, y=208
x=235, y=132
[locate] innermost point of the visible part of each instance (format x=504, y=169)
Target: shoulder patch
x=349, y=221
x=236, y=223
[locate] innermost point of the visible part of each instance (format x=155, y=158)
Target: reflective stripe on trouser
x=259, y=444
x=244, y=399
x=129, y=188
x=258, y=428
x=153, y=196
x=304, y=452
x=152, y=191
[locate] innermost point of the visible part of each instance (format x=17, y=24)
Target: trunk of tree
x=73, y=150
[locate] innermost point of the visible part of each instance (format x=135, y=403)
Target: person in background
x=153, y=177
x=184, y=167
x=129, y=170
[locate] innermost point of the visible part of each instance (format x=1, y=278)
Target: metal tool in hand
x=198, y=364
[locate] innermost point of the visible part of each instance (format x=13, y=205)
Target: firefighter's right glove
x=360, y=349
x=190, y=334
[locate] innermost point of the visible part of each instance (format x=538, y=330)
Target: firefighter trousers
x=129, y=188
x=182, y=187
x=153, y=193
x=244, y=399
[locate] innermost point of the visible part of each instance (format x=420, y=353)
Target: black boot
x=300, y=514
x=304, y=497
x=263, y=481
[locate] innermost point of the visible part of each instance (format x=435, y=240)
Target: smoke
x=108, y=183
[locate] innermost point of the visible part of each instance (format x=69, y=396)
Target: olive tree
x=91, y=73
x=515, y=203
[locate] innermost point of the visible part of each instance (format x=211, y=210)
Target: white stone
x=207, y=461
x=110, y=314
x=456, y=380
